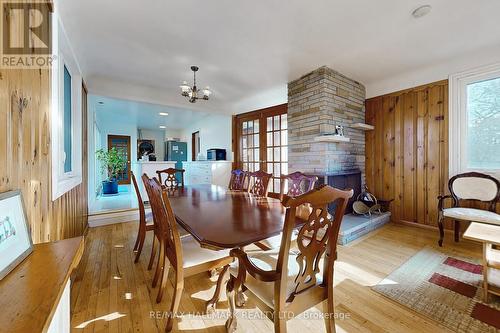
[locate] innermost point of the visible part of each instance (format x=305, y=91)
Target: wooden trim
x=193, y=145
x=413, y=89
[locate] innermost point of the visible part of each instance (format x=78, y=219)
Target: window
x=66, y=114
x=67, y=121
x=475, y=121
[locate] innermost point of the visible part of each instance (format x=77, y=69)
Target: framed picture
x=15, y=238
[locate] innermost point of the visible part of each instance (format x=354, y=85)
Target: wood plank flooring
x=112, y=294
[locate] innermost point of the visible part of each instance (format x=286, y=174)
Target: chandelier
x=193, y=93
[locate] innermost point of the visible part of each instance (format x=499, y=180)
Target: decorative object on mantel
x=192, y=92
x=15, y=239
x=363, y=126
x=339, y=130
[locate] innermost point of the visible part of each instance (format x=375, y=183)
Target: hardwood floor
x=112, y=294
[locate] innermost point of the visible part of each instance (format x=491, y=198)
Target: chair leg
x=231, y=322
x=279, y=322
x=457, y=230
x=153, y=254
x=329, y=313
x=223, y=278
x=136, y=245
x=176, y=300
x=159, y=265
x=163, y=280
x=441, y=229
x=140, y=238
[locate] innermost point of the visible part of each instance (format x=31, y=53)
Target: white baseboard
x=107, y=218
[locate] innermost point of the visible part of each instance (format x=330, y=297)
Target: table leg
x=485, y=272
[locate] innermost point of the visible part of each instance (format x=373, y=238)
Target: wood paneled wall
x=25, y=156
x=407, y=152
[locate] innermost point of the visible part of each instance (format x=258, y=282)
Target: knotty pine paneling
x=407, y=152
x=25, y=160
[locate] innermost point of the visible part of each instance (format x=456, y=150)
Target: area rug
x=445, y=288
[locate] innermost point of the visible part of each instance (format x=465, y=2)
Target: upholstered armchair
x=472, y=186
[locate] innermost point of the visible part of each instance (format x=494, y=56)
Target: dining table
x=219, y=219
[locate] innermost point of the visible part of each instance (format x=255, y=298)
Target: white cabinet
x=207, y=172
x=60, y=322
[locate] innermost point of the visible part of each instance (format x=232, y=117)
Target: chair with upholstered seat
x=184, y=255
x=145, y=223
x=297, y=183
x=473, y=186
x=258, y=183
x=291, y=281
x=171, y=181
x=238, y=181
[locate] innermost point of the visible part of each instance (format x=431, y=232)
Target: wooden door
x=260, y=142
x=121, y=143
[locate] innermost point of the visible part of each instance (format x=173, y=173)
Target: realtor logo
x=26, y=34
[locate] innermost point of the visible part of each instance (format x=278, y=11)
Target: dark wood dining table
x=219, y=218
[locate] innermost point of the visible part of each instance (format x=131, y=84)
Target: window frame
x=458, y=117
x=63, y=56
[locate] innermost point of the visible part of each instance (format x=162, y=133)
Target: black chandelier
x=192, y=93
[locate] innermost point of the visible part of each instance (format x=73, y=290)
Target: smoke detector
x=421, y=11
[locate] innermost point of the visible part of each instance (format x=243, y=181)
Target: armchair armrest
x=247, y=265
x=442, y=198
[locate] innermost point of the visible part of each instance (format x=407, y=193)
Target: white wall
x=159, y=137
x=433, y=73
x=215, y=132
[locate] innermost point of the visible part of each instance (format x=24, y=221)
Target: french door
x=260, y=142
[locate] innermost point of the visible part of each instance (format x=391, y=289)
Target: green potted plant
x=112, y=162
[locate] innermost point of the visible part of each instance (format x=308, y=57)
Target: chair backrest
x=164, y=216
x=171, y=179
x=298, y=183
x=258, y=183
x=238, y=180
x=475, y=186
x=142, y=212
x=316, y=241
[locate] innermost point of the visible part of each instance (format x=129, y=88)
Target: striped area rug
x=445, y=288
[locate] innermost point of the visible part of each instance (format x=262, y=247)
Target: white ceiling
x=247, y=51
x=143, y=115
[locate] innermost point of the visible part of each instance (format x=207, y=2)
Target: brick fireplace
x=317, y=102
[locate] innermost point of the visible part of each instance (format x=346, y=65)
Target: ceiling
x=247, y=51
x=143, y=115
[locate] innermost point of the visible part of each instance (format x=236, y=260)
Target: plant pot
x=110, y=186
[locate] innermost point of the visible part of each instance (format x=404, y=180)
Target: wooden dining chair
x=171, y=181
x=258, y=183
x=299, y=279
x=298, y=183
x=146, y=222
x=238, y=181
x=184, y=255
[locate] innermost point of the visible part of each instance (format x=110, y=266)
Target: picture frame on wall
x=15, y=238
